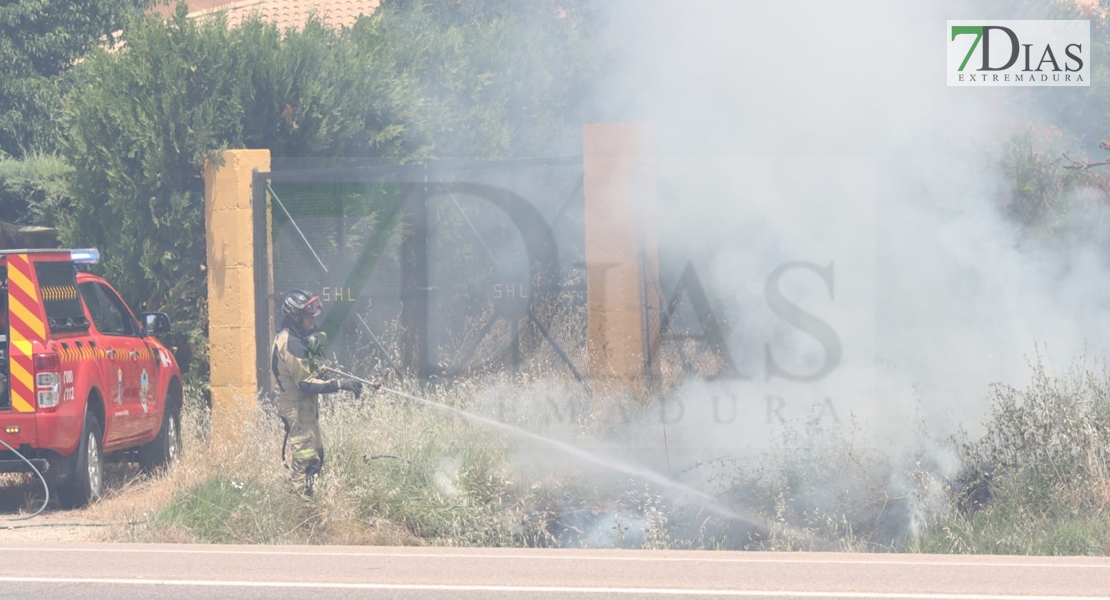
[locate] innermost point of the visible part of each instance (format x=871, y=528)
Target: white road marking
x=862, y=561
x=535, y=589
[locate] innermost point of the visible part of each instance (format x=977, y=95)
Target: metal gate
x=429, y=271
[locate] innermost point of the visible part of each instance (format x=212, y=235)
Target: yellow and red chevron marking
x=78, y=353
x=68, y=354
x=26, y=327
x=59, y=292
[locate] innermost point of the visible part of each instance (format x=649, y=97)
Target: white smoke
x=825, y=133
x=821, y=138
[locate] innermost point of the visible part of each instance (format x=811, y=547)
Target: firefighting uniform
x=299, y=387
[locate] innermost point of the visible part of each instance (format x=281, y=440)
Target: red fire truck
x=80, y=375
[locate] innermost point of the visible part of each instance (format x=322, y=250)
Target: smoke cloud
x=839, y=204
x=823, y=135
x=814, y=167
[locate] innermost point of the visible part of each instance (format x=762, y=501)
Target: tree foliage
x=143, y=121
x=414, y=80
x=496, y=78
x=35, y=189
x=39, y=41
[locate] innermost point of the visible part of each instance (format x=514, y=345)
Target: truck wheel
x=86, y=483
x=165, y=449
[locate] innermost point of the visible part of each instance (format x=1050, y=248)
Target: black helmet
x=300, y=303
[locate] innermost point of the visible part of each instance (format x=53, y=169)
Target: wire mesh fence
x=438, y=270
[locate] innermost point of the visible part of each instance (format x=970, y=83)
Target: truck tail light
x=48, y=378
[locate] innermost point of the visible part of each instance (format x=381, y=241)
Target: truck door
x=120, y=346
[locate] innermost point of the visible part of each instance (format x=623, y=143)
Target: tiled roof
x=286, y=13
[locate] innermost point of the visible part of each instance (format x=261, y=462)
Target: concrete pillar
x=622, y=268
x=229, y=225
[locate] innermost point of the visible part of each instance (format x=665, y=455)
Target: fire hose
x=706, y=500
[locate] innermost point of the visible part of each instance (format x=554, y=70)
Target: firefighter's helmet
x=300, y=303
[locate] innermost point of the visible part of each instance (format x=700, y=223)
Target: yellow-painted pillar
x=618, y=162
x=229, y=225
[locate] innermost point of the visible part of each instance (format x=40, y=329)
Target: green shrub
x=1037, y=482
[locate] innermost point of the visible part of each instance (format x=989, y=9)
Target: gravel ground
x=21, y=495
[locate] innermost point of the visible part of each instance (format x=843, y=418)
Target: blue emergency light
x=85, y=256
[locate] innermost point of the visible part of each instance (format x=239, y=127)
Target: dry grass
x=1037, y=482
x=401, y=473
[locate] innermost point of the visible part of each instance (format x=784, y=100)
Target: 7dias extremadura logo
x=1031, y=53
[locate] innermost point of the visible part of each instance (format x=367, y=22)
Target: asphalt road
x=101, y=571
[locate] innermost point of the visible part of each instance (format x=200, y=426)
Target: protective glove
x=351, y=385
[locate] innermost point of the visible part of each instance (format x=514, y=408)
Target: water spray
x=708, y=502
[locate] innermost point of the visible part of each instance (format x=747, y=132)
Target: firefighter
x=296, y=372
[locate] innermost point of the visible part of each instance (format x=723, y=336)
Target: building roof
x=285, y=13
